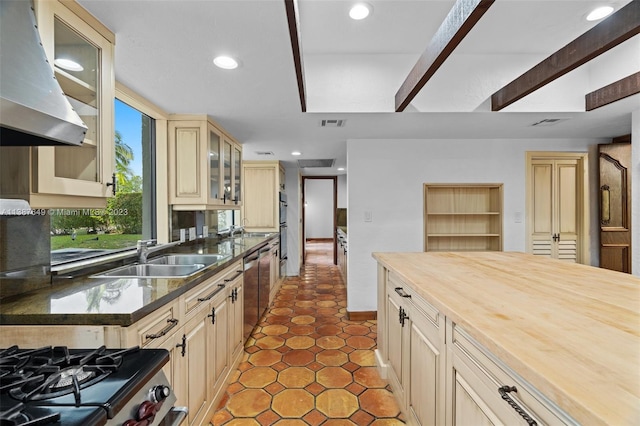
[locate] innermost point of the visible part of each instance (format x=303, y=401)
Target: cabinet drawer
x=487, y=376
x=206, y=291
x=395, y=283
x=159, y=326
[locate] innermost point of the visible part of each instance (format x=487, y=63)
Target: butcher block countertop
x=572, y=331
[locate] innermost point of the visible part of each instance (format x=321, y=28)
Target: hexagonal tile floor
x=305, y=363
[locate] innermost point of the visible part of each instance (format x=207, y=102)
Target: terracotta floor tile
x=337, y=403
x=379, y=402
x=249, y=403
x=306, y=360
x=332, y=357
x=369, y=377
x=265, y=357
x=334, y=377
x=296, y=377
x=293, y=403
x=298, y=357
x=258, y=377
x=269, y=342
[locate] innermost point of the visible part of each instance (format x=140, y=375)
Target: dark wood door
x=615, y=206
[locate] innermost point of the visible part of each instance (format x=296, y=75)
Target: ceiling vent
x=548, y=122
x=264, y=153
x=315, y=163
x=332, y=123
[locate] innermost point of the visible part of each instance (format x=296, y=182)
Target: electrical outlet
x=368, y=216
x=192, y=233
x=183, y=235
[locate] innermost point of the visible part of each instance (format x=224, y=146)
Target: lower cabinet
x=441, y=376
x=415, y=354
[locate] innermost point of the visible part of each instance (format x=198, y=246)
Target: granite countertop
x=572, y=331
x=83, y=300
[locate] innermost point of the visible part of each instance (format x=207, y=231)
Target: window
x=130, y=214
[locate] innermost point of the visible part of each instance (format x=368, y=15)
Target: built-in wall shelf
x=463, y=217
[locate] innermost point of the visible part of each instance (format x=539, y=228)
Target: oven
x=72, y=387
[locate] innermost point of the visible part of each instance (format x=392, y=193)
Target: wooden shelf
x=463, y=217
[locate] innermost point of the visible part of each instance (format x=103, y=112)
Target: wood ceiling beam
x=613, y=92
x=460, y=20
x=617, y=28
x=292, y=21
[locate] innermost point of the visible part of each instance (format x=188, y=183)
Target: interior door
x=555, y=210
x=615, y=206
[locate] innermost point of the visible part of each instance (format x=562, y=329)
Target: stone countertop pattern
x=83, y=300
x=572, y=331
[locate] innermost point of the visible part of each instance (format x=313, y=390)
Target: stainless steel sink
x=187, y=259
x=148, y=270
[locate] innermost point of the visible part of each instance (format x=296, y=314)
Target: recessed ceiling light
x=68, y=64
x=296, y=153
x=225, y=62
x=599, y=13
x=340, y=169
x=360, y=11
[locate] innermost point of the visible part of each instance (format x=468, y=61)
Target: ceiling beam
x=617, y=28
x=460, y=20
x=613, y=92
x=292, y=20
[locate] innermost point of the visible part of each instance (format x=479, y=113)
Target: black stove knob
x=160, y=392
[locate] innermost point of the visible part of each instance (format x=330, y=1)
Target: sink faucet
x=234, y=229
x=146, y=247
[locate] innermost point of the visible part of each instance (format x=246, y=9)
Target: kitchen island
x=567, y=336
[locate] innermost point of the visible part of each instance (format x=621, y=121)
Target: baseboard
x=362, y=315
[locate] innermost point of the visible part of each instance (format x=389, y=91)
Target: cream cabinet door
x=217, y=338
x=236, y=317
x=192, y=347
x=397, y=333
x=554, y=209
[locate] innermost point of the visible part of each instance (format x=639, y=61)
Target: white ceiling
x=165, y=48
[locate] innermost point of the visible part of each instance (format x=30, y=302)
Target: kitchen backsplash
x=25, y=250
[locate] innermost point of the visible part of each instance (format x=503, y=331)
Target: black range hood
x=33, y=109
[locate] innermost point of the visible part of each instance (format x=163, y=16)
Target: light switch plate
x=192, y=233
x=518, y=217
x=183, y=235
x=368, y=216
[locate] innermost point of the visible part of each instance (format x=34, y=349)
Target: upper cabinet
x=80, y=51
x=263, y=181
x=205, y=165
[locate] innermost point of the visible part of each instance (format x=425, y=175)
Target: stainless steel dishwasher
x=256, y=288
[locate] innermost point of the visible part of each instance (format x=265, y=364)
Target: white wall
x=386, y=178
x=319, y=208
x=342, y=191
x=635, y=193
x=293, y=188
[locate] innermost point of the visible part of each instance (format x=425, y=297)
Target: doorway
x=319, y=202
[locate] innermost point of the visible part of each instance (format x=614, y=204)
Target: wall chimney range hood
x=33, y=108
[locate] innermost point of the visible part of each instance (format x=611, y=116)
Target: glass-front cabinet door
x=227, y=161
x=237, y=174
x=83, y=65
x=215, y=194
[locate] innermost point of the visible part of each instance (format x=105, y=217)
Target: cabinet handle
x=183, y=345
x=210, y=295
x=400, y=291
x=213, y=315
x=172, y=323
x=403, y=316
x=113, y=183
x=556, y=237
x=234, y=295
x=504, y=390
x=228, y=280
